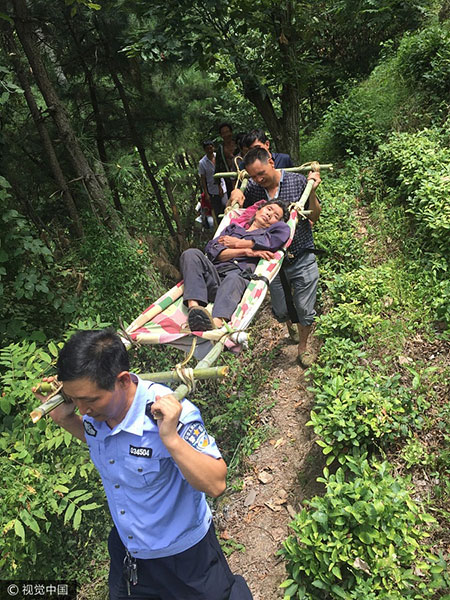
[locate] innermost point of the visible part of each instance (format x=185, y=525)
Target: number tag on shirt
x=142, y=452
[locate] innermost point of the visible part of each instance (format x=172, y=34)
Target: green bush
x=413, y=169
x=338, y=356
x=358, y=410
x=26, y=267
x=349, y=319
x=407, y=90
x=335, y=230
x=424, y=61
x=50, y=486
x=369, y=286
x=120, y=280
x=363, y=539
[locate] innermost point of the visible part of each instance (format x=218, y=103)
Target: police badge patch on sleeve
x=89, y=428
x=195, y=435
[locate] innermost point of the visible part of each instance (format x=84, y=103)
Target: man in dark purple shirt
x=257, y=138
x=223, y=274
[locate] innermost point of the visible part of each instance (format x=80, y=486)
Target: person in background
x=299, y=266
x=156, y=461
x=226, y=153
x=258, y=139
x=210, y=187
x=242, y=148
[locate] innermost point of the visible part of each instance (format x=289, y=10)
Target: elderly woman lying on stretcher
x=223, y=274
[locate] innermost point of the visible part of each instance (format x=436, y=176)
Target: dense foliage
x=343, y=541
x=362, y=539
x=369, y=400
x=103, y=111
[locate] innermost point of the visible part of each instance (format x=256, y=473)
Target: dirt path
x=278, y=476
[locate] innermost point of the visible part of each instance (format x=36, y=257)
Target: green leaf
x=336, y=572
x=366, y=536
x=34, y=525
x=19, y=529
x=91, y=506
x=287, y=583
x=436, y=569
x=320, y=517
x=53, y=349
x=77, y=519
x=336, y=589
x=291, y=590
x=61, y=488
x=69, y=512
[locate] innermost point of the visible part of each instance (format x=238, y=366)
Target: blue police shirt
x=156, y=511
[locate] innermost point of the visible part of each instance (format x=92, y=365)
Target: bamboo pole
x=300, y=204
x=202, y=371
x=205, y=373
x=155, y=309
x=46, y=407
x=182, y=390
x=301, y=169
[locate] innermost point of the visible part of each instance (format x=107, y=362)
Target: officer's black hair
x=253, y=136
x=208, y=143
x=256, y=154
x=96, y=355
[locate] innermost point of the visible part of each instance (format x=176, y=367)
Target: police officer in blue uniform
x=157, y=461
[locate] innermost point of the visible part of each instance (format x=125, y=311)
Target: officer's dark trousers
x=203, y=282
x=200, y=573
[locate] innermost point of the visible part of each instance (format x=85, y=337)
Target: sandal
x=306, y=359
x=199, y=319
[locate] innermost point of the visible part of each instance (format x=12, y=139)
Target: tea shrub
x=358, y=410
x=413, y=169
x=363, y=539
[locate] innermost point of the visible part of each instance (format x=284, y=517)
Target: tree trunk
x=56, y=109
x=176, y=215
x=140, y=148
x=290, y=121
x=11, y=51
x=99, y=126
x=257, y=95
x=135, y=138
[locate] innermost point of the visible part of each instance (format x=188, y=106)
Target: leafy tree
x=289, y=58
x=59, y=114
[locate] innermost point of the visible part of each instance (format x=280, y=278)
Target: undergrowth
x=372, y=400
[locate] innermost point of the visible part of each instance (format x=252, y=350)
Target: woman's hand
x=232, y=242
x=265, y=254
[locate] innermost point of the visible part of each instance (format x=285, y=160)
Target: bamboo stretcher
x=230, y=335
